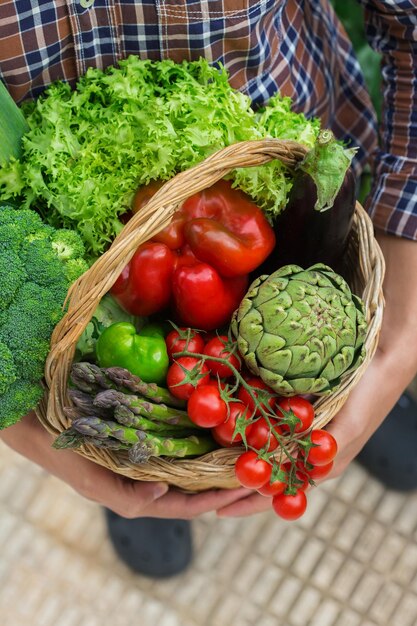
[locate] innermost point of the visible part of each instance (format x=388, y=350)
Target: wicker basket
x=213, y=470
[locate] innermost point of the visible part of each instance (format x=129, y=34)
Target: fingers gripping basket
x=216, y=469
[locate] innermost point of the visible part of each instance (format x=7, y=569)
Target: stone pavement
x=350, y=561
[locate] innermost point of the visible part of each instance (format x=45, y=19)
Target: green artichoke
x=300, y=330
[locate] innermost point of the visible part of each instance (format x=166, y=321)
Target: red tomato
x=257, y=383
x=184, y=340
x=325, y=450
x=178, y=371
x=303, y=478
x=290, y=507
x=259, y=434
x=251, y=471
x=223, y=433
x=216, y=347
x=317, y=471
x=302, y=408
x=206, y=408
x=273, y=489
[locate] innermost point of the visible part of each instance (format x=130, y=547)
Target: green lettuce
x=88, y=149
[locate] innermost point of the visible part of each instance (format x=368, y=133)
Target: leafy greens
x=87, y=150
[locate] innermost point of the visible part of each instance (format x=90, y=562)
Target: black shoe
x=154, y=547
x=390, y=455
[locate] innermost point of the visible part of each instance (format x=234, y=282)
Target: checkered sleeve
x=392, y=30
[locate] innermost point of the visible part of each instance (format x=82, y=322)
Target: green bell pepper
x=143, y=354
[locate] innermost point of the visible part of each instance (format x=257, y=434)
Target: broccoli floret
x=28, y=222
x=20, y=398
x=43, y=267
x=10, y=236
x=34, y=282
x=67, y=244
x=74, y=268
x=13, y=276
x=7, y=368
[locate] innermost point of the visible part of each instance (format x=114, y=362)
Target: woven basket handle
x=85, y=294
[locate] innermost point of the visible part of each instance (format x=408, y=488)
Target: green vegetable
x=300, y=330
x=87, y=150
x=327, y=164
x=142, y=444
x=112, y=399
x=89, y=378
x=33, y=287
x=12, y=127
x=143, y=355
x=108, y=312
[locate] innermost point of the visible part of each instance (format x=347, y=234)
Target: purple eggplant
x=306, y=236
x=314, y=226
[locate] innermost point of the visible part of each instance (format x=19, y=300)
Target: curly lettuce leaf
x=88, y=149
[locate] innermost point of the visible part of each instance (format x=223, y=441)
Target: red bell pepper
x=144, y=286
x=203, y=299
x=224, y=228
x=199, y=264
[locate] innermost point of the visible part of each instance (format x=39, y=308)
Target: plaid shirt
x=297, y=47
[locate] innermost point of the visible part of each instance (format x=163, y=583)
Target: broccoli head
x=8, y=372
x=67, y=244
x=34, y=280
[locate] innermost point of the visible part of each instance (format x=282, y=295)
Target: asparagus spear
x=70, y=438
x=84, y=405
x=144, y=445
x=124, y=379
x=91, y=378
x=111, y=398
x=123, y=415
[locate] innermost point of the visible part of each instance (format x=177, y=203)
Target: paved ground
x=350, y=561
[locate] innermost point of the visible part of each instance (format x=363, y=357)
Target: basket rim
x=85, y=293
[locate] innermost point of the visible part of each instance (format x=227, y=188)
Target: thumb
x=133, y=497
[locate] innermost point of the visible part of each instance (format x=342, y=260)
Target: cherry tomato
x=290, y=507
x=251, y=471
x=325, y=450
x=179, y=370
x=259, y=434
x=216, y=347
x=223, y=433
x=184, y=339
x=317, y=471
x=273, y=489
x=206, y=408
x=302, y=408
x=257, y=383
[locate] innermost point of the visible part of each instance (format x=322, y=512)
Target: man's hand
x=128, y=498
x=391, y=370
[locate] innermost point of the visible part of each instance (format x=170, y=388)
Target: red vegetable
x=226, y=229
x=144, y=286
x=302, y=409
x=217, y=347
x=202, y=299
x=257, y=383
x=272, y=489
x=186, y=367
x=290, y=507
x=259, y=435
x=325, y=449
x=251, y=471
x=206, y=408
x=184, y=340
x=223, y=433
